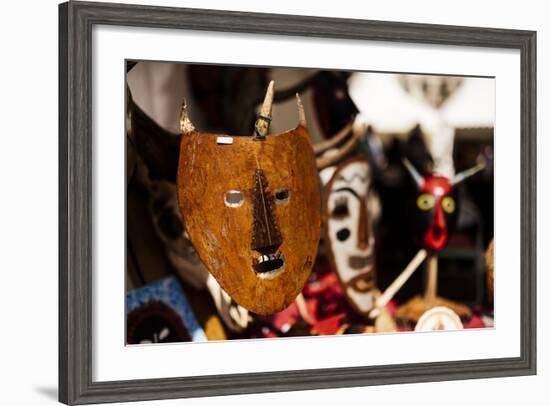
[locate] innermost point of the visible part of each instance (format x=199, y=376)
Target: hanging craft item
x=426, y=103
x=349, y=211
x=169, y=226
x=159, y=312
x=252, y=208
x=435, y=209
x=436, y=213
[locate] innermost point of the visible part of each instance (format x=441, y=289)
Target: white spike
x=301, y=113
x=467, y=173
x=264, y=119
x=186, y=126
x=413, y=172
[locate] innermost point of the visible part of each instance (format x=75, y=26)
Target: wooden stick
x=431, y=285
x=332, y=142
x=302, y=309
x=403, y=277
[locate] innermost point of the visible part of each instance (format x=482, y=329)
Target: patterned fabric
x=331, y=313
x=169, y=292
x=325, y=304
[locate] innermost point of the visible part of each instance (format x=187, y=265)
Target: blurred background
x=439, y=123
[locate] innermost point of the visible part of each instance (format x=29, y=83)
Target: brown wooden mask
x=252, y=209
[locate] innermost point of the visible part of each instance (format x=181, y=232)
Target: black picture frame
x=76, y=20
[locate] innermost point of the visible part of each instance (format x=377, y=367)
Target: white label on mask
x=225, y=140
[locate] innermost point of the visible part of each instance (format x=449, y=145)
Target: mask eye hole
x=448, y=204
x=233, y=198
x=281, y=196
x=343, y=234
x=340, y=210
x=425, y=201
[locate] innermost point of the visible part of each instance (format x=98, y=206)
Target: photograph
x=270, y=202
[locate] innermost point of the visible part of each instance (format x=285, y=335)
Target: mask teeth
x=270, y=257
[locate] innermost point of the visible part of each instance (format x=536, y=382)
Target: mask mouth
x=357, y=262
x=268, y=266
x=436, y=238
x=362, y=283
x=438, y=232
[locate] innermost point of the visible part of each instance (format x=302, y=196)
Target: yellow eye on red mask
x=448, y=204
x=425, y=201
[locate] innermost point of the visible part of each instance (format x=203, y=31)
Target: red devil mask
x=436, y=203
x=436, y=207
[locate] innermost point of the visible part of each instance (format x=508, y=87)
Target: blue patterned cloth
x=169, y=292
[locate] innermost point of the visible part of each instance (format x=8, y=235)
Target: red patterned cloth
x=325, y=304
x=328, y=310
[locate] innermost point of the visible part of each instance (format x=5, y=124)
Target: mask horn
x=264, y=118
x=328, y=154
x=413, y=172
x=467, y=173
x=301, y=113
x=186, y=126
x=343, y=134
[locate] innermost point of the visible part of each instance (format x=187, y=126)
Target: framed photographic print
x=259, y=202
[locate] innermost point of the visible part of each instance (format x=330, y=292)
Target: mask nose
x=363, y=226
x=266, y=237
x=439, y=222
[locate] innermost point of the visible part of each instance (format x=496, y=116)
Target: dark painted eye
x=343, y=234
x=233, y=198
x=281, y=196
x=340, y=209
